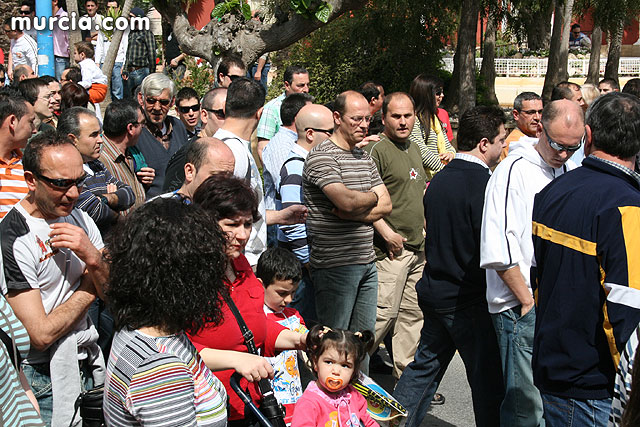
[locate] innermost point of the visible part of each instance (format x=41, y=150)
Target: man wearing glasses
x=230, y=68
x=506, y=248
x=54, y=269
x=188, y=108
x=345, y=196
x=163, y=135
x=527, y=112
x=585, y=231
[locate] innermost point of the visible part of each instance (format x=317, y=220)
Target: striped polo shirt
x=13, y=188
x=122, y=167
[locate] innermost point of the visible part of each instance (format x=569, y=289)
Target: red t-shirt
x=247, y=293
x=446, y=124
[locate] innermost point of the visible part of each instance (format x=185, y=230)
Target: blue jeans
x=60, y=64
x=522, y=405
x=135, y=79
x=305, y=300
x=263, y=76
x=39, y=378
x=117, y=84
x=469, y=331
x=566, y=412
x=346, y=298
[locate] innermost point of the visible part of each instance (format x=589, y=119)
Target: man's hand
x=146, y=175
x=65, y=235
x=525, y=308
x=367, y=140
x=395, y=244
x=257, y=76
x=112, y=188
x=174, y=62
x=125, y=75
x=252, y=367
x=294, y=214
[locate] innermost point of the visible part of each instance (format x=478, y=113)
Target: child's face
x=334, y=370
x=279, y=294
x=78, y=57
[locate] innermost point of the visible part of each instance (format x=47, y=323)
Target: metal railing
x=537, y=67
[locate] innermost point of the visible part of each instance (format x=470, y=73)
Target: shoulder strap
x=247, y=335
x=247, y=176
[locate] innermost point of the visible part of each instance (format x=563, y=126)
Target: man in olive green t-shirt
x=399, y=238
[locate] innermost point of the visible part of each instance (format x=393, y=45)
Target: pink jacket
x=345, y=408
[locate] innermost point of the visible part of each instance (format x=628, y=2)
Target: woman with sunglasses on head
x=429, y=132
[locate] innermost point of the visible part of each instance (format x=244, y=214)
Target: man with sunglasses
x=585, y=232
x=163, y=135
x=230, y=68
x=188, y=108
x=212, y=118
x=506, y=248
x=54, y=269
x=314, y=124
x=527, y=112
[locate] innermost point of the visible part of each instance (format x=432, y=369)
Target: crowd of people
x=152, y=253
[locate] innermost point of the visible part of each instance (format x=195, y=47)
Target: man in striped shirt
x=16, y=127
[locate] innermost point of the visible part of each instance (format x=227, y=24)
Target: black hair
x=12, y=103
x=391, y=97
x=30, y=89
x=225, y=196
x=118, y=115
x=347, y=343
x=369, y=90
x=614, y=119
x=244, y=98
x=48, y=79
x=632, y=87
x=210, y=96
x=611, y=82
x=179, y=288
x=278, y=264
x=228, y=61
x=524, y=96
x=73, y=95
x=69, y=121
x=37, y=144
x=291, y=105
x=477, y=123
x=422, y=90
x=574, y=26
x=86, y=48
x=186, y=93
x=74, y=74
x=564, y=90
x=291, y=71
x=30, y=3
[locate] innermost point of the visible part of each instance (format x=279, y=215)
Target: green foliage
x=608, y=14
x=232, y=6
x=199, y=77
x=389, y=42
x=311, y=9
x=113, y=14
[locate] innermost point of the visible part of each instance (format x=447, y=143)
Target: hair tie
x=324, y=330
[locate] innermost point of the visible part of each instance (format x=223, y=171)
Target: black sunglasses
x=186, y=108
x=62, y=183
x=25, y=12
x=152, y=101
x=218, y=113
x=232, y=78
x=327, y=131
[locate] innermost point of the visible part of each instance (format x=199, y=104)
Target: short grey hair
x=69, y=121
x=155, y=83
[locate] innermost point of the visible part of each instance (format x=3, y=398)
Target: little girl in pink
x=331, y=400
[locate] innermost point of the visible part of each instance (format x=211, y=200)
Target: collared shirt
x=633, y=174
x=122, y=167
x=13, y=188
x=273, y=157
x=270, y=120
x=141, y=51
x=91, y=74
x=25, y=52
x=60, y=37
x=473, y=159
x=103, y=44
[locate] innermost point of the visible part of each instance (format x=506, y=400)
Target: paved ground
x=458, y=407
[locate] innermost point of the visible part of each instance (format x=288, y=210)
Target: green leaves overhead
x=232, y=6
x=312, y=9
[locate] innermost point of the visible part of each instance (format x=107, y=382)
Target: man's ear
x=189, y=172
x=516, y=114
x=140, y=99
x=483, y=145
x=71, y=137
x=259, y=113
x=30, y=179
x=588, y=140
x=337, y=118
x=12, y=122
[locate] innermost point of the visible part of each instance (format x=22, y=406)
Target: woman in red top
x=234, y=205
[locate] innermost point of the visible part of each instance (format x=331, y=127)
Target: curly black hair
x=356, y=344
x=225, y=196
x=167, y=264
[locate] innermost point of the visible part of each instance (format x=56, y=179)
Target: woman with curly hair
x=429, y=132
x=234, y=206
x=167, y=268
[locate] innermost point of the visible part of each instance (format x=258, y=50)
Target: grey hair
x=155, y=83
x=69, y=121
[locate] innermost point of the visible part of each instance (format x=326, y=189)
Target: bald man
x=345, y=195
x=204, y=157
x=314, y=124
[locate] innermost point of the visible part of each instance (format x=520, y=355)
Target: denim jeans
x=135, y=79
x=39, y=378
x=469, y=331
x=566, y=412
x=103, y=320
x=522, y=405
x=305, y=300
x=117, y=84
x=263, y=76
x=60, y=64
x=346, y=298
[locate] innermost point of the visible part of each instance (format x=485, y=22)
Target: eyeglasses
x=25, y=12
x=152, y=101
x=559, y=147
x=327, y=131
x=359, y=119
x=233, y=77
x=62, y=183
x=142, y=123
x=219, y=113
x=186, y=108
x=438, y=92
x=531, y=112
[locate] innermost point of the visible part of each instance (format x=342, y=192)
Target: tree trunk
x=539, y=30
x=593, y=76
x=110, y=59
x=559, y=50
x=464, y=87
x=488, y=69
x=613, y=58
x=74, y=35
